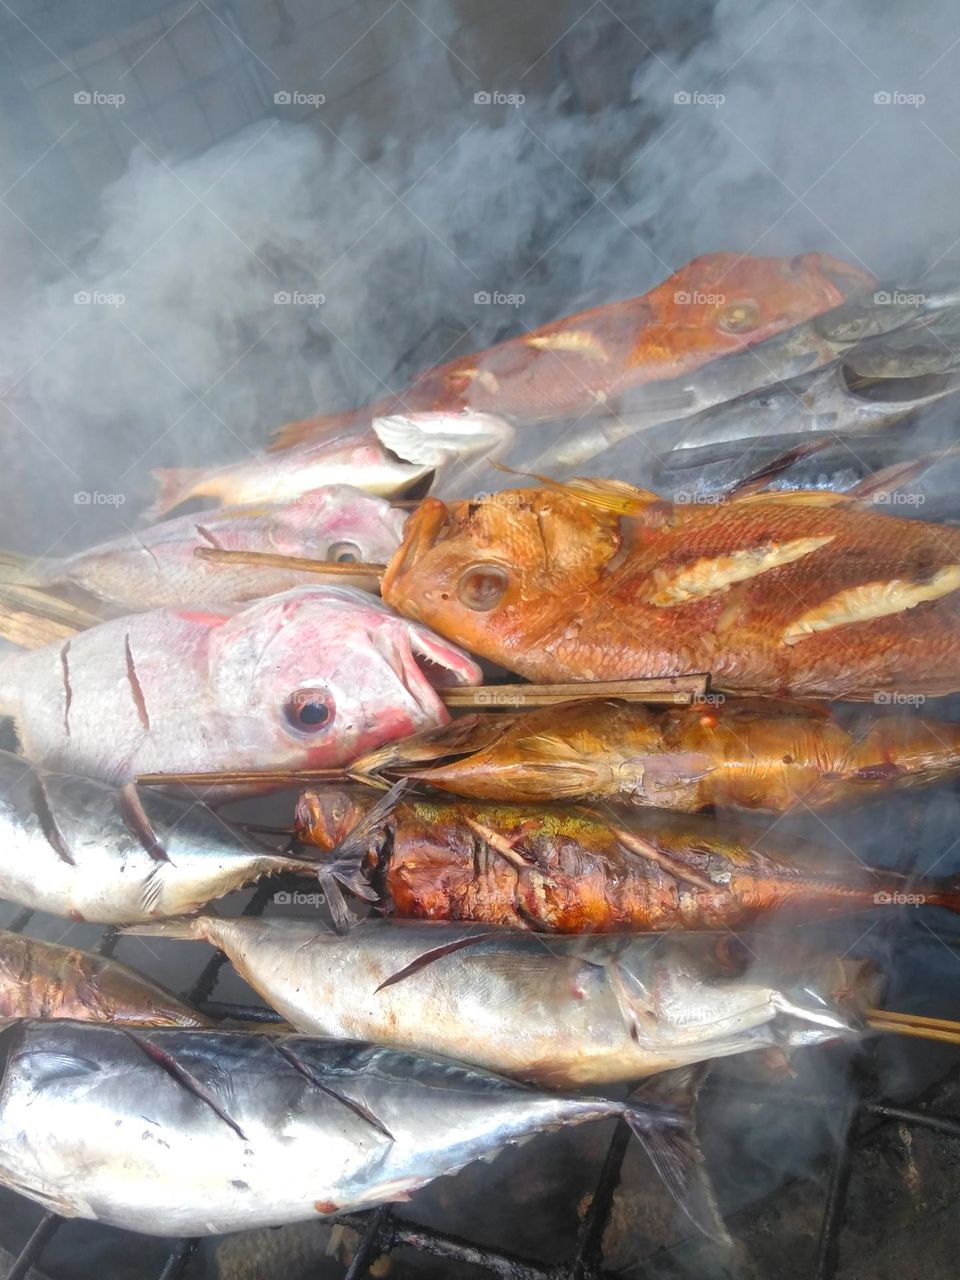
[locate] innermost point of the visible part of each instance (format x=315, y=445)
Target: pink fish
x=310, y=678
x=157, y=567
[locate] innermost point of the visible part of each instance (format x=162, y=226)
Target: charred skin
x=43, y=980
x=582, y=364
x=806, y=595
x=748, y=753
x=563, y=870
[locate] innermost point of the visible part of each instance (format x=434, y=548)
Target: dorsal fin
x=799, y=498
x=615, y=496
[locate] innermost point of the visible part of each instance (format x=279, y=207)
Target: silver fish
x=391, y=457
x=562, y=1012
x=157, y=567
x=86, y=850
x=313, y=676
x=808, y=347
x=818, y=403
x=195, y=1133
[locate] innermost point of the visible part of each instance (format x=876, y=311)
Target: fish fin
x=174, y=486
x=324, y=426
x=25, y=571
x=32, y=618
x=898, y=473
x=800, y=498
x=462, y=736
x=403, y=434
x=616, y=496
x=428, y=957
x=673, y=1147
x=342, y=868
x=760, y=478
x=189, y=928
x=644, y=848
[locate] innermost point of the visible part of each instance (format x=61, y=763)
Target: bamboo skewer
x=914, y=1024
x=272, y=560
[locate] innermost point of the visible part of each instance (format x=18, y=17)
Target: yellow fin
x=799, y=498
x=605, y=495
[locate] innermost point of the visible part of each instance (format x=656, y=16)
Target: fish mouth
x=430, y=665
x=418, y=536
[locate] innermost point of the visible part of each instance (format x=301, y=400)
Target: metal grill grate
x=381, y=1231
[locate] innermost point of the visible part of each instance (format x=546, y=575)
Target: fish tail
x=26, y=571
x=342, y=868
x=189, y=928
x=661, y=1114
x=178, y=484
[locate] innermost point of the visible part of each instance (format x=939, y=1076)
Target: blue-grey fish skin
x=202, y=1133
x=88, y=850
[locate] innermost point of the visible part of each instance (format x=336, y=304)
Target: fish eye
x=731, y=955
x=344, y=552
x=309, y=710
x=739, y=317
x=482, y=587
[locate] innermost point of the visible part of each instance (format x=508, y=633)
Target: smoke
x=753, y=129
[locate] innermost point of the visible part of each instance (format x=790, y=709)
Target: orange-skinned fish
x=803, y=594
x=751, y=753
x=585, y=363
x=565, y=869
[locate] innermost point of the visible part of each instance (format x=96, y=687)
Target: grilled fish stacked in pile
x=574, y=821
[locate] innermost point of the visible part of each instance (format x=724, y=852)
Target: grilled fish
x=315, y=674
x=174, y=1133
x=157, y=567
x=389, y=457
x=752, y=753
x=585, y=363
x=44, y=980
x=795, y=594
x=83, y=849
x=564, y=869
x=565, y=1014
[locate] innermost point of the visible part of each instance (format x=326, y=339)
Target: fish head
x=339, y=523
x=325, y=818
x=701, y=988
x=491, y=572
x=748, y=299
x=315, y=676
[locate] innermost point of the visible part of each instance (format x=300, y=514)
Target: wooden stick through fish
x=681, y=690
x=271, y=560
x=914, y=1024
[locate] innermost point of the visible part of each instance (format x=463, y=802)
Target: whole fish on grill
x=567, y=869
x=795, y=594
x=755, y=753
x=391, y=456
x=172, y=1132
x=583, y=364
x=84, y=849
x=566, y=1013
x=315, y=674
x=157, y=567
x=858, y=329
x=45, y=980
